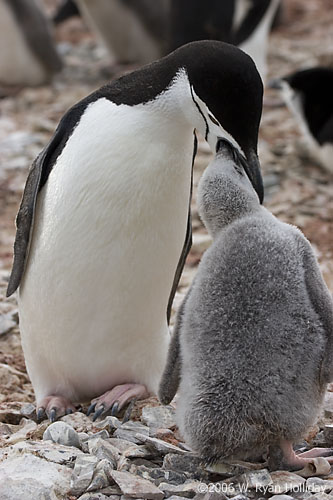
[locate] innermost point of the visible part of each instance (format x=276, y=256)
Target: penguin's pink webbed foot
x=114, y=400
x=54, y=407
x=284, y=456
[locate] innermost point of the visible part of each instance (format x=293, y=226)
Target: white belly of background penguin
x=252, y=346
x=106, y=207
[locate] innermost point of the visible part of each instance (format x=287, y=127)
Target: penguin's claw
x=98, y=413
x=117, y=398
x=41, y=414
x=53, y=415
x=115, y=409
x=91, y=409
x=129, y=409
x=54, y=407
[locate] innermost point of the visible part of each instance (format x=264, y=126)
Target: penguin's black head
x=227, y=90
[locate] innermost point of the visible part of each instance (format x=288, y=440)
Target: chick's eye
x=213, y=119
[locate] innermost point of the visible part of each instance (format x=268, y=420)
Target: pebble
x=318, y=485
x=162, y=446
x=110, y=423
x=26, y=428
x=79, y=421
x=62, y=433
x=142, y=451
x=159, y=416
x=256, y=479
x=93, y=496
x=29, y=411
x=159, y=475
x=52, y=452
x=185, y=463
x=136, y=487
x=284, y=481
x=33, y=476
x=280, y=497
x=83, y=473
x=127, y=436
x=103, y=450
x=188, y=490
x=102, y=476
x=328, y=434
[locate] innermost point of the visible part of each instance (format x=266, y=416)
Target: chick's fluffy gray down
x=252, y=344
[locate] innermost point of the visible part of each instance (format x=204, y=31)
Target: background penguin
x=134, y=31
x=28, y=55
x=104, y=228
x=245, y=23
x=143, y=30
x=253, y=341
x=308, y=94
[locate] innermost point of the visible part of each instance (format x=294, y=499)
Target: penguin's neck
x=177, y=106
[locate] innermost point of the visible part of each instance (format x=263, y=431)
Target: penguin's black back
x=212, y=20
x=315, y=86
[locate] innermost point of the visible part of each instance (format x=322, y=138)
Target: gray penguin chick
x=252, y=345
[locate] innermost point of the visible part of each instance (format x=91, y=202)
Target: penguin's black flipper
x=24, y=222
x=38, y=175
x=171, y=376
x=322, y=303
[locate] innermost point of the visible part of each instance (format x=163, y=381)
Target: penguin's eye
x=211, y=117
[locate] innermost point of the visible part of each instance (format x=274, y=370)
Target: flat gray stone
x=159, y=475
x=122, y=444
x=136, y=487
x=52, y=452
x=281, y=497
x=79, y=421
x=136, y=427
x=321, y=496
x=32, y=476
x=189, y=463
x=103, y=450
x=284, y=481
x=160, y=445
x=328, y=434
x=101, y=478
x=125, y=435
x=110, y=423
x=257, y=479
x=159, y=416
x=318, y=485
x=142, y=451
x=26, y=428
x=93, y=496
x=83, y=473
x=62, y=433
x=188, y=490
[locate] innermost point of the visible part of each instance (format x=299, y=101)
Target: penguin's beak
x=252, y=169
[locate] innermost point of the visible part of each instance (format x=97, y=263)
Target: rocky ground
x=146, y=458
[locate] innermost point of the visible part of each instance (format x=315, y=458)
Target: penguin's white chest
x=109, y=230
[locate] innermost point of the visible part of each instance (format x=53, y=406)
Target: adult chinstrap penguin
x=252, y=346
x=308, y=95
x=28, y=55
x=104, y=225
x=245, y=23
